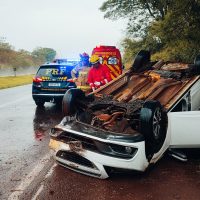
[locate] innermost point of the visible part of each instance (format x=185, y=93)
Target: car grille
x=87, y=143
x=109, y=149
x=75, y=158
x=79, y=170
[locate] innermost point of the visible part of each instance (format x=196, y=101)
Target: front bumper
x=79, y=157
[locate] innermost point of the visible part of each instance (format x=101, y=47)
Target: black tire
x=39, y=103
x=193, y=70
x=196, y=66
x=197, y=60
x=70, y=101
x=141, y=61
x=153, y=125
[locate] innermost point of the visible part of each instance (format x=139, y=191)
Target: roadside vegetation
x=10, y=58
x=168, y=28
x=12, y=81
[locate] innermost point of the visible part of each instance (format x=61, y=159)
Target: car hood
x=79, y=128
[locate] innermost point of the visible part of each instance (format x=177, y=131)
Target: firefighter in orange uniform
x=99, y=74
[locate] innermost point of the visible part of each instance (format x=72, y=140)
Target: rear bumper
x=47, y=97
x=49, y=94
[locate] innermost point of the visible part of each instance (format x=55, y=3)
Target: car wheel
x=141, y=61
x=153, y=125
x=39, y=103
x=197, y=60
x=194, y=69
x=70, y=101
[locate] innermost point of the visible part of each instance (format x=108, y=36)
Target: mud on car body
x=129, y=123
x=51, y=82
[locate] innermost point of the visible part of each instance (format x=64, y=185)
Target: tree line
x=168, y=28
x=22, y=58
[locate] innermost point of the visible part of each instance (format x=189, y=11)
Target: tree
x=22, y=58
x=179, y=31
x=44, y=54
x=169, y=28
x=138, y=12
x=5, y=45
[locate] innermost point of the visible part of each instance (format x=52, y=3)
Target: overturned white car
x=129, y=123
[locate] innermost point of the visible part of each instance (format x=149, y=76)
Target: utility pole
x=15, y=70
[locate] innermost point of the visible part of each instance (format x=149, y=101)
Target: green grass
x=12, y=81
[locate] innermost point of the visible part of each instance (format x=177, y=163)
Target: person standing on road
x=84, y=63
x=80, y=72
x=99, y=74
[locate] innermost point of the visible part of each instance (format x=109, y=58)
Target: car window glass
x=112, y=61
x=54, y=71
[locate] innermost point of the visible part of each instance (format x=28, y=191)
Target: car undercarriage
x=134, y=105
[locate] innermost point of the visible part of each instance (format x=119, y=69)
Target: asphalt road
x=24, y=139
x=27, y=170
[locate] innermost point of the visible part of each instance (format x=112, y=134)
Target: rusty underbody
x=117, y=105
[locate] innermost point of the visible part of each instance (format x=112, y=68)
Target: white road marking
x=42, y=185
x=38, y=192
x=13, y=102
x=29, y=178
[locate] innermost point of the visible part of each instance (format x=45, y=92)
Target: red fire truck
x=110, y=56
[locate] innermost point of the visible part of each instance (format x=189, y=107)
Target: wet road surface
x=167, y=180
x=23, y=135
x=26, y=168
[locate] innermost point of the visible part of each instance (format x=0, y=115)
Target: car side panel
x=195, y=96
x=184, y=129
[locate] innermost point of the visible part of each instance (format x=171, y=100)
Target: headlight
x=124, y=151
x=116, y=150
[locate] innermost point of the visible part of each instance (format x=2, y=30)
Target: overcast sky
x=68, y=26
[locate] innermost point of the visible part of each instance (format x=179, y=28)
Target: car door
x=195, y=96
x=184, y=129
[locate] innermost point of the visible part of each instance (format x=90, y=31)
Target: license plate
x=75, y=146
x=53, y=144
x=54, y=84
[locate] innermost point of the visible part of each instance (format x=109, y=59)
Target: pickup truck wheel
x=69, y=103
x=194, y=69
x=197, y=60
x=141, y=61
x=153, y=124
x=197, y=65
x=39, y=103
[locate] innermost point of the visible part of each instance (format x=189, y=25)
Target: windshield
x=112, y=61
x=52, y=71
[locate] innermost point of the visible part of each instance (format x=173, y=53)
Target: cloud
x=70, y=27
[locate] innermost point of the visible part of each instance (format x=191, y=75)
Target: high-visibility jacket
x=77, y=69
x=99, y=76
x=81, y=80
